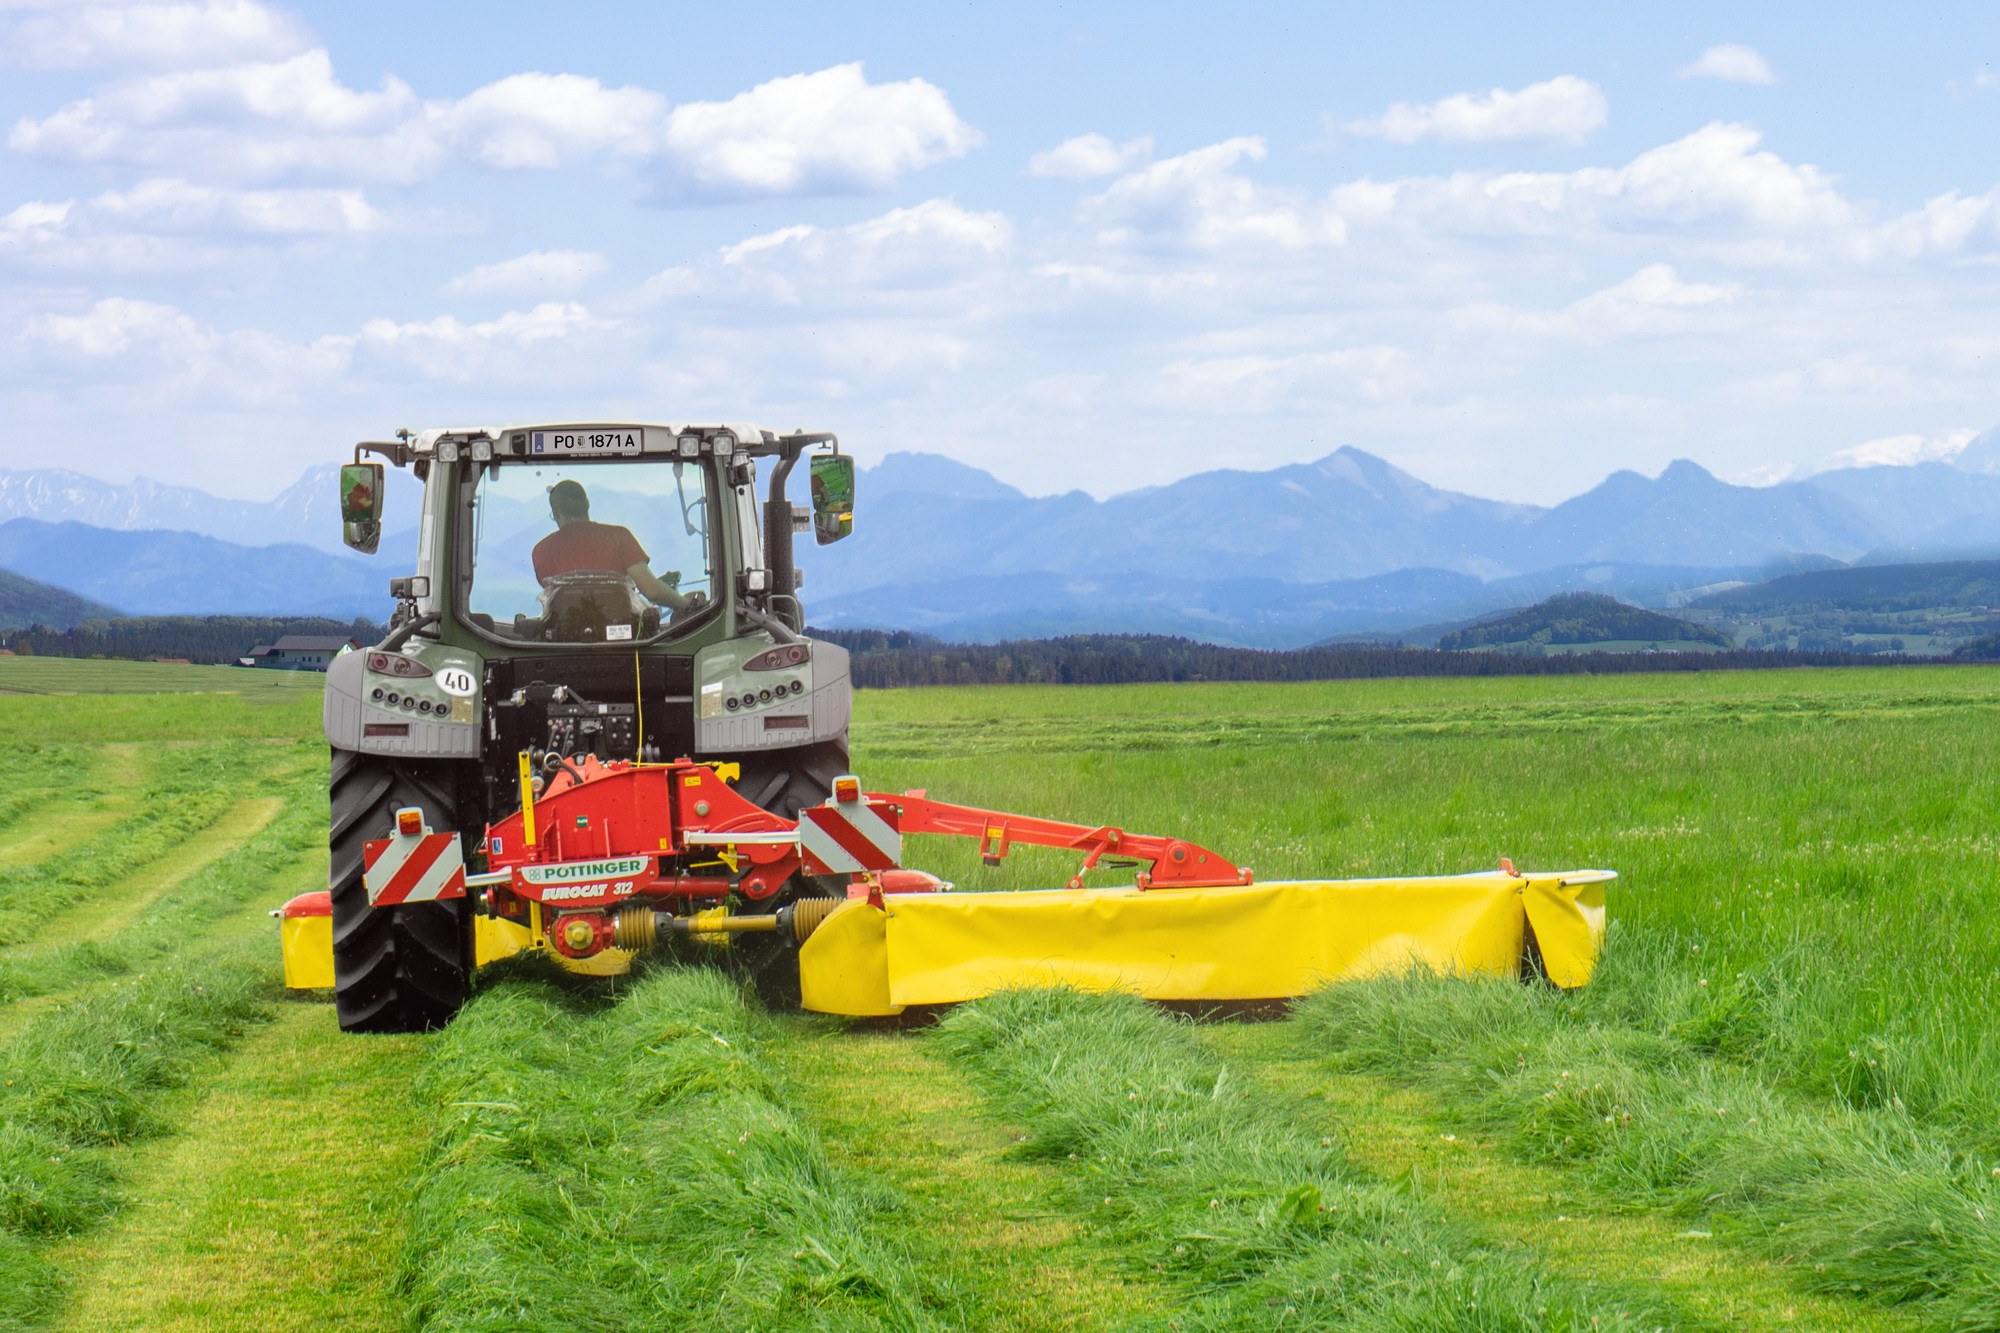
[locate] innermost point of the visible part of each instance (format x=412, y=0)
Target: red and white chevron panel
x=845, y=837
x=419, y=868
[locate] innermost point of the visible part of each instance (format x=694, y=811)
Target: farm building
x=299, y=652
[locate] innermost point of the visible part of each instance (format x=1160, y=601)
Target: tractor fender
x=353, y=721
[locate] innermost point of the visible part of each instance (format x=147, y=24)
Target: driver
x=578, y=545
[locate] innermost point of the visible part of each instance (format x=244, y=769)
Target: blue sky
x=1091, y=246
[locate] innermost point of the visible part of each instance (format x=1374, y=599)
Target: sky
x=1081, y=246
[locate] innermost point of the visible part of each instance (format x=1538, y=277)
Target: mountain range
x=1347, y=545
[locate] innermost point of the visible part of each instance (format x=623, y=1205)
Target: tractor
x=583, y=594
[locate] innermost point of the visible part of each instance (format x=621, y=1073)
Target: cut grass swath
x=85, y=1079
x=638, y=1167
x=1862, y=1201
x=190, y=790
x=165, y=928
x=278, y=1207
x=145, y=1012
x=1212, y=1185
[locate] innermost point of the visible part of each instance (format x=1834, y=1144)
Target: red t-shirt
x=579, y=546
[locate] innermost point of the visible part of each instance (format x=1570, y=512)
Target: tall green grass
x=1828, y=833
x=1206, y=1182
x=1631, y=1084
x=639, y=1167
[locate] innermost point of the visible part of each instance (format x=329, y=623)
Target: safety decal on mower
x=413, y=868
x=847, y=836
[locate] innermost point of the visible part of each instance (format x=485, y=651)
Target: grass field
x=1778, y=1106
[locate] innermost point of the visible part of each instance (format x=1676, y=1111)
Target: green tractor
x=585, y=593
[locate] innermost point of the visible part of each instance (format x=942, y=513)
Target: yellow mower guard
x=1251, y=942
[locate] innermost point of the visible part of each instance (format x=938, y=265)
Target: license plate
x=591, y=441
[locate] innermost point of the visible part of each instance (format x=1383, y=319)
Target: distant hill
x=307, y=511
x=184, y=573
x=1348, y=544
x=25, y=601
x=1876, y=588
x=1581, y=618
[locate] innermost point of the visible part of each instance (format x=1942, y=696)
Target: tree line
x=200, y=639
x=883, y=660
x=894, y=659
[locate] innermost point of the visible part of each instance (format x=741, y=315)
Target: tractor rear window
x=594, y=552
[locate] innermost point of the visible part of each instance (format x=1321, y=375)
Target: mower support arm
x=1177, y=863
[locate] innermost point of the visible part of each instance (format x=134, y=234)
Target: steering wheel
x=694, y=605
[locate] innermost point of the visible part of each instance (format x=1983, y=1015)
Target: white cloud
x=545, y=121
x=831, y=132
x=827, y=133
x=1946, y=225
x=555, y=342
x=34, y=223
x=1652, y=302
x=932, y=249
x=150, y=36
x=182, y=206
x=1732, y=63
x=537, y=273
x=159, y=353
x=1197, y=200
x=288, y=118
x=1564, y=110
x=294, y=118
x=147, y=354
x=1891, y=451
x=1709, y=189
x=173, y=226
x=115, y=326
x=1090, y=155
x=1657, y=286
x=1983, y=81
x=1235, y=385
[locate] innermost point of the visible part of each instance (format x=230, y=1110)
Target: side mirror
x=361, y=506
x=833, y=497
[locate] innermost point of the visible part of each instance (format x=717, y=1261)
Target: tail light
x=410, y=822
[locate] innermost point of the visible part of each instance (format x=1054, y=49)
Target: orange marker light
x=847, y=789
x=410, y=822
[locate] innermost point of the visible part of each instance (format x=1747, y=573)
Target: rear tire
x=395, y=969
x=787, y=781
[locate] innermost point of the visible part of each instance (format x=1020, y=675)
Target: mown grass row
x=639, y=1166
x=91, y=1077
x=1629, y=1085
x=143, y=1014
x=181, y=914
x=1210, y=1184
x=33, y=772
x=189, y=789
